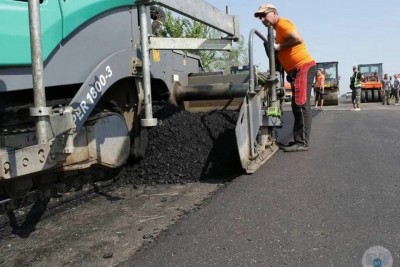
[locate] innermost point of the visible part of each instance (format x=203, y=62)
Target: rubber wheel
x=369, y=96
x=363, y=96
x=379, y=95
x=375, y=96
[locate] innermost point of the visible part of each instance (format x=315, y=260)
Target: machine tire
x=333, y=100
x=375, y=96
x=369, y=97
x=379, y=93
x=363, y=96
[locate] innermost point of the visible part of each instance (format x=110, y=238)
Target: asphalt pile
x=188, y=147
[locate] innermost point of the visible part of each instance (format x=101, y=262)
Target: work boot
x=297, y=147
x=282, y=146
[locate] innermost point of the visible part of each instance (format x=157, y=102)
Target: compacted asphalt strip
x=335, y=205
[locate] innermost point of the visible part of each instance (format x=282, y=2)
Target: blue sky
x=351, y=32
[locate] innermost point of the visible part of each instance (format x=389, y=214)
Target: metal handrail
x=39, y=111
x=272, y=77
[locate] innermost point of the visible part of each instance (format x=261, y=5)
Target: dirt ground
x=107, y=229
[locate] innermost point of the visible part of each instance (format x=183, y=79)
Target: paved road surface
x=324, y=207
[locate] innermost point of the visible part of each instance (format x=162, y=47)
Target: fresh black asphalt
x=324, y=207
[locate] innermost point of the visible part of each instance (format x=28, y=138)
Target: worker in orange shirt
x=319, y=89
x=301, y=69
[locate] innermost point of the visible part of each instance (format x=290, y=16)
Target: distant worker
x=158, y=17
x=355, y=86
x=300, y=67
x=391, y=87
x=386, y=89
x=319, y=89
x=396, y=87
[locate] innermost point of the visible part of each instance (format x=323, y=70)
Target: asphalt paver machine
x=78, y=79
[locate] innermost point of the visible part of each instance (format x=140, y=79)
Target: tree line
x=180, y=27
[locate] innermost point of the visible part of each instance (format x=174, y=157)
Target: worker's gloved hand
x=277, y=47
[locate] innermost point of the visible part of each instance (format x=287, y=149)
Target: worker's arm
x=293, y=39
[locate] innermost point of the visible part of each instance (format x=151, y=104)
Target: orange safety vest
x=320, y=80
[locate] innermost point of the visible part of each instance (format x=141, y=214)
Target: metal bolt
x=41, y=156
x=6, y=167
x=25, y=162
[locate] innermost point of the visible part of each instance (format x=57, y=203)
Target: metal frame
x=253, y=129
x=40, y=111
x=203, y=12
x=190, y=44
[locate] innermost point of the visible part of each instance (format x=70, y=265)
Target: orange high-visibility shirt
x=320, y=80
x=292, y=57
